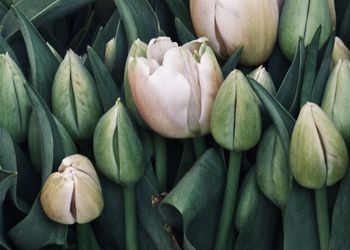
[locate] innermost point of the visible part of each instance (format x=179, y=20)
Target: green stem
x=322, y=217
x=131, y=234
x=161, y=162
x=85, y=237
x=199, y=146
x=232, y=180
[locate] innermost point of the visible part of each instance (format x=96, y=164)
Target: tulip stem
x=225, y=223
x=322, y=217
x=161, y=162
x=199, y=146
x=85, y=237
x=131, y=234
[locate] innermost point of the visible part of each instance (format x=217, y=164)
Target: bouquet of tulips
x=174, y=124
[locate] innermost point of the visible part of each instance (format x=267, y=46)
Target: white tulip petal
x=157, y=47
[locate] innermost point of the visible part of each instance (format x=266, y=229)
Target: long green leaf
x=343, y=29
x=181, y=11
x=6, y=48
x=43, y=63
x=182, y=32
x=99, y=44
x=232, y=62
x=39, y=12
x=193, y=205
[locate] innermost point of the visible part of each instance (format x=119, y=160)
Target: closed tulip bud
x=231, y=24
x=340, y=51
x=272, y=169
x=318, y=154
x=73, y=194
x=174, y=87
x=235, y=118
x=14, y=101
x=301, y=19
x=75, y=100
x=110, y=54
x=248, y=199
x=263, y=77
x=34, y=143
x=336, y=99
x=117, y=149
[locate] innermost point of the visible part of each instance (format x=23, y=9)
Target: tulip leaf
x=43, y=63
x=121, y=55
x=323, y=73
x=165, y=17
x=277, y=66
x=339, y=239
x=139, y=19
x=6, y=48
x=300, y=224
x=107, y=89
x=283, y=121
x=39, y=12
x=181, y=11
x=289, y=92
x=182, y=32
x=186, y=161
x=310, y=68
x=36, y=230
x=86, y=238
x=112, y=25
x=232, y=62
x=193, y=204
x=99, y=44
x=7, y=180
x=3, y=10
x=344, y=33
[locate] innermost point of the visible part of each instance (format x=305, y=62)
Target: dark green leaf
x=232, y=62
x=341, y=220
x=310, y=68
x=43, y=63
x=277, y=66
x=193, y=205
x=86, y=238
x=181, y=11
x=39, y=12
x=3, y=10
x=323, y=73
x=182, y=32
x=344, y=29
x=283, y=121
x=187, y=159
x=121, y=54
x=300, y=224
x=6, y=48
x=99, y=44
x=112, y=24
x=107, y=89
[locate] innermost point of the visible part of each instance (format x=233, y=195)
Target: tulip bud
x=248, y=199
x=117, y=148
x=301, y=19
x=336, y=99
x=231, y=24
x=75, y=100
x=34, y=144
x=73, y=194
x=110, y=54
x=318, y=153
x=340, y=51
x=263, y=77
x=272, y=168
x=174, y=87
x=14, y=101
x=235, y=118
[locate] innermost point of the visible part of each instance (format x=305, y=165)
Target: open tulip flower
x=174, y=87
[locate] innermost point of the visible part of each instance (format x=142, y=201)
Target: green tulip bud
x=248, y=199
x=14, y=101
x=73, y=194
x=117, y=149
x=263, y=77
x=340, y=51
x=272, y=168
x=318, y=153
x=235, y=119
x=75, y=100
x=301, y=19
x=336, y=99
x=34, y=145
x=110, y=54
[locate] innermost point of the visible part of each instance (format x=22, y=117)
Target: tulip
x=318, y=154
x=263, y=77
x=110, y=54
x=14, y=101
x=75, y=100
x=230, y=24
x=235, y=119
x=73, y=194
x=336, y=99
x=174, y=87
x=301, y=19
x=340, y=51
x=272, y=169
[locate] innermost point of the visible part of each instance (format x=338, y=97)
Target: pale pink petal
x=157, y=47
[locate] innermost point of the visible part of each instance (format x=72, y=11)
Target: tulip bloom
x=230, y=24
x=174, y=87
